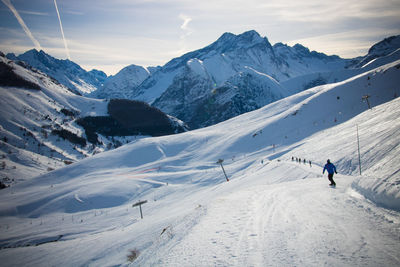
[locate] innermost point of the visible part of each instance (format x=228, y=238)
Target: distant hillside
x=64, y=71
x=43, y=125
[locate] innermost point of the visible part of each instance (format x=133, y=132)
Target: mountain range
x=222, y=76
x=240, y=73
x=233, y=75
x=64, y=71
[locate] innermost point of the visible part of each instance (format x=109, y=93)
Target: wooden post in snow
x=140, y=206
x=366, y=99
x=358, y=145
x=220, y=163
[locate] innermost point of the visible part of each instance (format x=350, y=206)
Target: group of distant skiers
x=329, y=167
x=299, y=160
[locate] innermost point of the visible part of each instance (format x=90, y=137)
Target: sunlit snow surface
x=272, y=212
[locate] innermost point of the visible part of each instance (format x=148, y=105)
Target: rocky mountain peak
x=380, y=49
x=64, y=71
x=229, y=42
x=385, y=46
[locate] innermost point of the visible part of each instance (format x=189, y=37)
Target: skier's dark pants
x=330, y=177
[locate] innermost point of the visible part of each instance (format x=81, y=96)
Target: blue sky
x=109, y=35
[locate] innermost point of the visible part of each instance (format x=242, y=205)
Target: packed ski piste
x=165, y=201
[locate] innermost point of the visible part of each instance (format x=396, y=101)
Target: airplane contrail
x=62, y=31
x=22, y=23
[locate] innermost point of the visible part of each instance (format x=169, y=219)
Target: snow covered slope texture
x=272, y=131
x=271, y=207
x=66, y=72
x=45, y=126
x=38, y=133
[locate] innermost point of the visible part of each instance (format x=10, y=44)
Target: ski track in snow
x=290, y=225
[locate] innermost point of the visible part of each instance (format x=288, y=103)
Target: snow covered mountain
x=272, y=212
x=231, y=54
x=381, y=49
x=222, y=80
x=65, y=71
x=379, y=54
x=120, y=85
x=226, y=78
x=190, y=98
x=43, y=125
x=232, y=58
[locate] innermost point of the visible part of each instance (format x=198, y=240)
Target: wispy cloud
x=22, y=23
x=345, y=44
x=186, y=20
x=186, y=31
x=151, y=32
x=62, y=31
x=33, y=13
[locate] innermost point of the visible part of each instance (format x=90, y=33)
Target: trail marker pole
x=220, y=163
x=359, y=157
x=366, y=99
x=140, y=206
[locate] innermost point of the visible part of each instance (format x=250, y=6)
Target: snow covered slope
x=66, y=72
x=273, y=211
x=28, y=118
x=38, y=129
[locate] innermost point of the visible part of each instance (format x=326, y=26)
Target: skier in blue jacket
x=331, y=169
